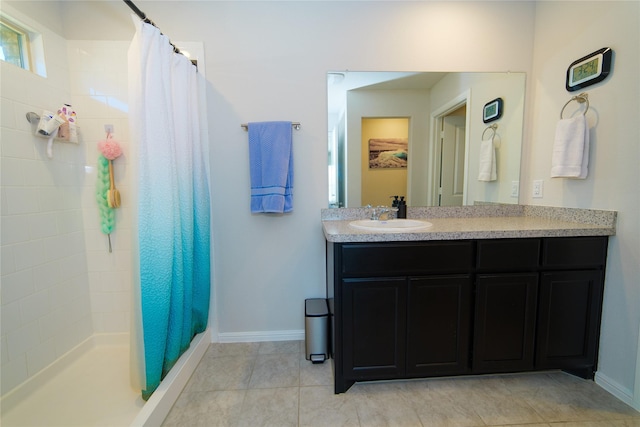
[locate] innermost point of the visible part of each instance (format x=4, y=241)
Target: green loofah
x=107, y=215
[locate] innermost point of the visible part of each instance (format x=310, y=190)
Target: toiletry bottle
x=394, y=204
x=402, y=208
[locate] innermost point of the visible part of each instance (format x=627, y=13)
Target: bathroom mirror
x=444, y=137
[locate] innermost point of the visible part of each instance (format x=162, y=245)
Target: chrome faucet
x=381, y=213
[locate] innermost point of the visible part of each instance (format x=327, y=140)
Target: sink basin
x=393, y=225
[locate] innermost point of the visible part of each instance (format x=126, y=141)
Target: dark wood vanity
x=410, y=309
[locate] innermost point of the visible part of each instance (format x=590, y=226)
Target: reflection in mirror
x=445, y=154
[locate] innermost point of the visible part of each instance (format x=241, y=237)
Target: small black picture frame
x=589, y=69
x=492, y=110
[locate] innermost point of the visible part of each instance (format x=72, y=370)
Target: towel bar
x=295, y=125
x=582, y=98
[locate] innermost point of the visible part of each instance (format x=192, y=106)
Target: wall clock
x=589, y=69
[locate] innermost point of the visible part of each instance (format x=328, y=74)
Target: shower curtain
x=171, y=225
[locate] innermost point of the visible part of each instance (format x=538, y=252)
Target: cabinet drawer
x=406, y=258
x=574, y=252
x=508, y=254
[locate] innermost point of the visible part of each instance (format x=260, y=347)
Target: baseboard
x=261, y=336
x=613, y=387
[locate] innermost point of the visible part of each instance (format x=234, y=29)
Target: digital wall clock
x=492, y=110
x=589, y=69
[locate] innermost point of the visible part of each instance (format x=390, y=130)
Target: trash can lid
x=315, y=307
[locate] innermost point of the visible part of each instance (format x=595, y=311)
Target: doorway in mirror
x=451, y=155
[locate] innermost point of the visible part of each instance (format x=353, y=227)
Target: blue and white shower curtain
x=172, y=219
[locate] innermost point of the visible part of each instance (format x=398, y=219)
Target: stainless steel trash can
x=316, y=329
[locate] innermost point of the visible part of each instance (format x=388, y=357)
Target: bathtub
x=89, y=386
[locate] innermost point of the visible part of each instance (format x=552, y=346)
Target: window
x=14, y=44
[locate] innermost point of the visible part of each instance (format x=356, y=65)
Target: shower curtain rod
x=144, y=18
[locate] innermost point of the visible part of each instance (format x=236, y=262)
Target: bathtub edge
x=161, y=401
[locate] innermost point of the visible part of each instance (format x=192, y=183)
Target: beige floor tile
x=315, y=373
x=320, y=407
x=604, y=404
x=233, y=349
x=276, y=370
x=285, y=389
x=631, y=422
x=561, y=404
x=381, y=404
x=442, y=409
x=528, y=425
x=602, y=423
x=221, y=373
x=528, y=382
x=273, y=347
x=567, y=380
x=270, y=408
x=206, y=409
x=470, y=387
x=505, y=409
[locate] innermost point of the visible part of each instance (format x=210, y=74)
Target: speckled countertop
x=476, y=222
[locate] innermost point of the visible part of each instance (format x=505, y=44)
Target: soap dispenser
x=402, y=208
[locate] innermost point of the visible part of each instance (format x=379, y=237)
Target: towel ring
x=493, y=127
x=581, y=99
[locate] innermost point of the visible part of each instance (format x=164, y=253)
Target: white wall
x=566, y=31
x=98, y=78
x=45, y=293
x=59, y=282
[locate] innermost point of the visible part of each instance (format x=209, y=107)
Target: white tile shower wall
x=98, y=74
x=45, y=298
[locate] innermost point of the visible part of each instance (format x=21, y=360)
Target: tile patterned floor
x=271, y=384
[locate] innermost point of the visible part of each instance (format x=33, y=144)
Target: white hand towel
x=571, y=149
x=487, y=161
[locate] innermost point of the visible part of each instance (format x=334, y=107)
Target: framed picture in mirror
x=492, y=110
x=388, y=153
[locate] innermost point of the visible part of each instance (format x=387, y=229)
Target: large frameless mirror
x=421, y=135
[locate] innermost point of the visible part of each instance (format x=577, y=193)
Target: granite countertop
x=476, y=222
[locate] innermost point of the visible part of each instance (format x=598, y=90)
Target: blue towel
x=271, y=166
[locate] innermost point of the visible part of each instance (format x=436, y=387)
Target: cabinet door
x=438, y=325
x=504, y=322
x=374, y=328
x=569, y=320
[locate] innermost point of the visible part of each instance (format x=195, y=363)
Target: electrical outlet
x=515, y=188
x=537, y=188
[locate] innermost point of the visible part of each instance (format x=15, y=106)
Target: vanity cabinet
x=505, y=321
x=431, y=308
x=505, y=305
x=401, y=309
x=438, y=325
x=571, y=291
x=374, y=327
